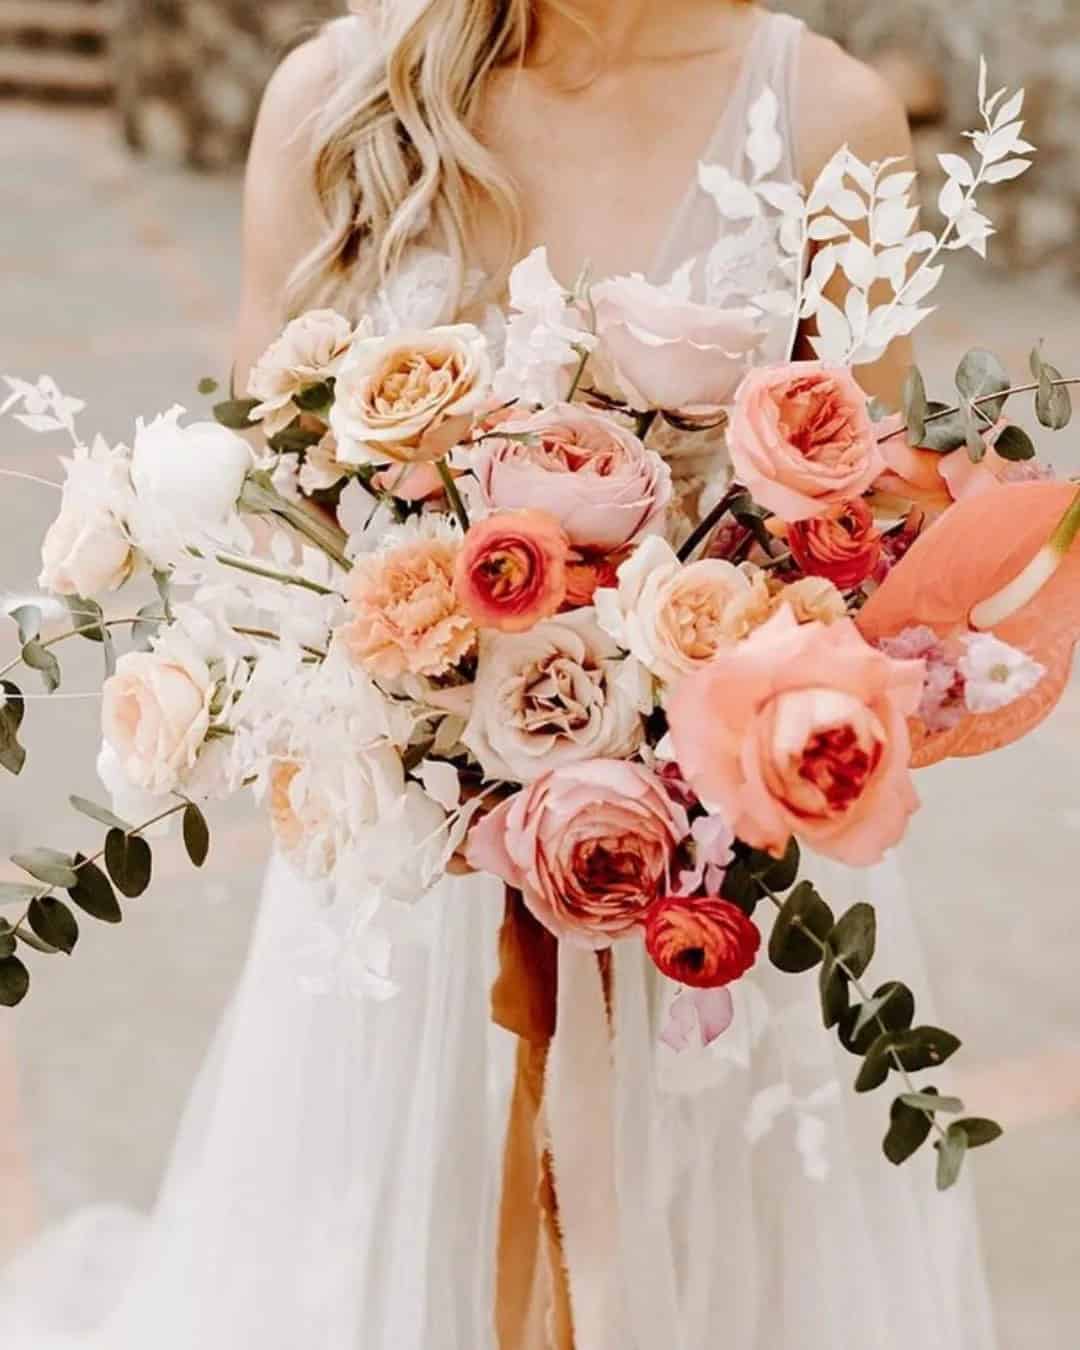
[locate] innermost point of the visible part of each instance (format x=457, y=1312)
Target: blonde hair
x=395, y=152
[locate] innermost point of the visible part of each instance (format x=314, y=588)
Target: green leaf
x=54, y=923
x=30, y=939
x=14, y=982
x=208, y=385
x=980, y=374
x=7, y=941
x=925, y=1047
x=1053, y=401
x=877, y=1063
x=294, y=439
x=892, y=1007
x=742, y=887
x=93, y=894
x=235, y=413
x=909, y=1129
x=779, y=874
x=196, y=834
x=791, y=949
x=754, y=873
x=128, y=858
x=975, y=435
x=978, y=1131
x=12, y=709
x=944, y=434
x=101, y=814
x=951, y=1153
x=854, y=938
x=17, y=892
x=88, y=616
x=1015, y=445
x=28, y=618
x=317, y=398
x=148, y=621
x=39, y=658
x=834, y=989
x=48, y=865
x=915, y=405
x=930, y=1099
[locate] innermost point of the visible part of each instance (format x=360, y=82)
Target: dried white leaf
x=896, y=185
x=826, y=227
x=735, y=200
x=922, y=284
x=848, y=205
x=952, y=201
x=859, y=263
x=1007, y=170
x=39, y=422
x=857, y=312
x=999, y=144
x=834, y=332
x=764, y=144
x=782, y=197
x=860, y=172
x=957, y=167
x=1011, y=110
x=893, y=221
x=441, y=783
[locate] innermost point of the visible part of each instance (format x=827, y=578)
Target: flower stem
x=261, y=498
x=452, y=493
x=706, y=527
x=94, y=627
x=977, y=403
x=270, y=574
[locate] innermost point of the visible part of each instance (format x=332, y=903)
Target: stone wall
x=190, y=73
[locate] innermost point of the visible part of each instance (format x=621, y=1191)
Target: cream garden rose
x=555, y=695
x=410, y=397
x=155, y=717
x=308, y=352
x=85, y=552
x=675, y=618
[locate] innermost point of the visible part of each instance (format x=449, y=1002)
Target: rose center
x=838, y=765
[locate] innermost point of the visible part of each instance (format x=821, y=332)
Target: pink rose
x=705, y=944
x=668, y=352
x=589, y=846
x=594, y=476
x=801, y=729
x=801, y=439
x=511, y=572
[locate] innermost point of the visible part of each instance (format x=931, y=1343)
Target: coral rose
x=842, y=545
x=406, y=616
x=594, y=476
x=590, y=847
x=705, y=944
x=670, y=352
x=511, y=572
x=801, y=439
x=412, y=397
x=801, y=729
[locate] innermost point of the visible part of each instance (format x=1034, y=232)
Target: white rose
x=552, y=696
x=308, y=352
x=189, y=476
x=674, y=618
x=85, y=552
x=155, y=716
x=410, y=397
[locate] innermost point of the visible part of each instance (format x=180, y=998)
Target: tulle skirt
x=336, y=1181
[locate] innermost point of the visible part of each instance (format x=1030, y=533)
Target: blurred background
x=123, y=125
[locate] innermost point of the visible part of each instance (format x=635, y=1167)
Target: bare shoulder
x=843, y=101
x=295, y=95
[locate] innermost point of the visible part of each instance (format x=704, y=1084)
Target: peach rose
x=841, y=545
x=155, y=715
x=590, y=847
x=811, y=600
x=675, y=618
x=410, y=397
x=705, y=943
x=801, y=439
x=669, y=352
x=511, y=572
x=594, y=476
x=406, y=616
x=85, y=552
x=308, y=352
x=801, y=729
x=551, y=696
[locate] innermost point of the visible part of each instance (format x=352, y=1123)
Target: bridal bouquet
x=464, y=609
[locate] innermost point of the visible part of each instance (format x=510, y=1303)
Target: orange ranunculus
x=978, y=547
x=842, y=545
x=511, y=572
x=704, y=943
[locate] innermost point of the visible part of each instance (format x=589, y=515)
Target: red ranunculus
x=511, y=572
x=702, y=943
x=843, y=546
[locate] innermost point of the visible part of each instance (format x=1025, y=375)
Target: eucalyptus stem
x=271, y=574
x=268, y=635
x=452, y=493
x=579, y=373
x=866, y=996
x=977, y=403
x=94, y=627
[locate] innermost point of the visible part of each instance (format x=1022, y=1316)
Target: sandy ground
x=121, y=281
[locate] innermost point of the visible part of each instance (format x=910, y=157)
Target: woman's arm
x=843, y=101
x=282, y=218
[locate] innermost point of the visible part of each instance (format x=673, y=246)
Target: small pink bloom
x=590, y=847
x=802, y=440
x=511, y=572
x=706, y=943
x=697, y=1017
x=801, y=729
x=713, y=842
x=409, y=482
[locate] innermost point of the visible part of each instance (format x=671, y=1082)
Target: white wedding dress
x=335, y=1184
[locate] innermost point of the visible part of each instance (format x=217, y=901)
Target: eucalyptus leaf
x=741, y=886
x=834, y=991
x=29, y=938
x=925, y=1047
x=951, y=1153
x=877, y=1063
x=54, y=923
x=12, y=753
x=980, y=374
x=892, y=1008
x=294, y=439
x=148, y=621
x=978, y=1131
x=28, y=619
x=944, y=433
x=14, y=982
x=208, y=385
x=39, y=658
x=1015, y=444
x=235, y=413
x=17, y=892
x=317, y=398
x=929, y=1099
x=93, y=894
x=854, y=938
x=109, y=648
x=87, y=616
x=128, y=858
x=196, y=834
x=1053, y=402
x=909, y=1129
x=803, y=917
x=101, y=814
x=48, y=865
x=7, y=943
x=916, y=406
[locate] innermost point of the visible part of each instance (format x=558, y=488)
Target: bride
x=336, y=1183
